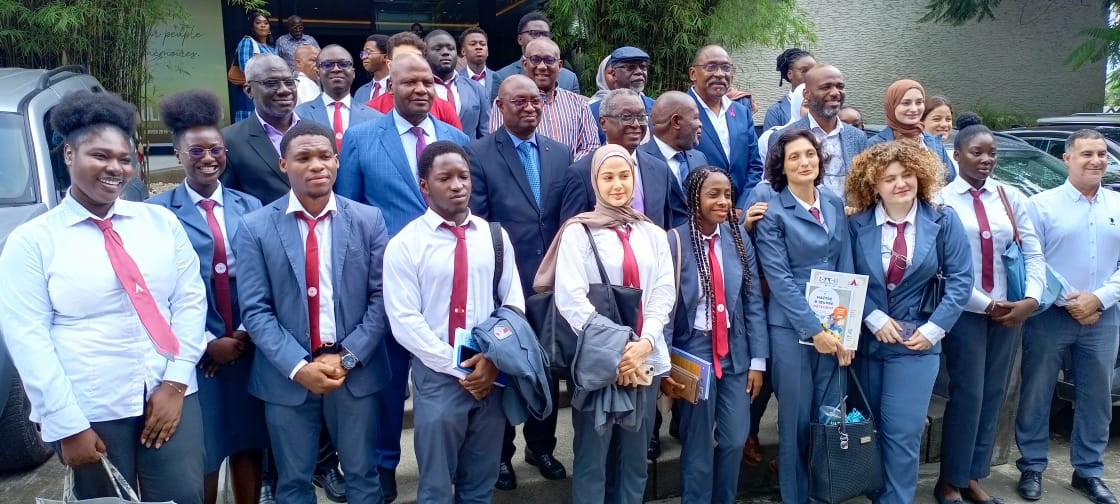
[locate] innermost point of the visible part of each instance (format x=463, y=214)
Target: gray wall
x=1014, y=63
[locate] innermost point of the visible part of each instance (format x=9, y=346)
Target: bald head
x=676, y=120
x=260, y=64
x=515, y=84
x=519, y=101
x=413, y=87
x=824, y=93
x=546, y=44
x=305, y=57
x=406, y=62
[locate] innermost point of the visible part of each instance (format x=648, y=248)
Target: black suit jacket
x=253, y=165
x=664, y=199
x=693, y=157
x=500, y=193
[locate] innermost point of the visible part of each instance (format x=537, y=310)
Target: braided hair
x=693, y=183
x=786, y=60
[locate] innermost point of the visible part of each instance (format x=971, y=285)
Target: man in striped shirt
x=565, y=116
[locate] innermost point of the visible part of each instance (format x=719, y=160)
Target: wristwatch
x=349, y=361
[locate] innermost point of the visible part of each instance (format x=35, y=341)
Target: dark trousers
x=391, y=406
x=758, y=406
x=540, y=435
x=173, y=471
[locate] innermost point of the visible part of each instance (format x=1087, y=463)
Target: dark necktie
x=816, y=214
x=682, y=170
x=338, y=124
x=220, y=266
x=136, y=288
x=898, y=256
x=987, y=249
x=450, y=94
x=478, y=77
x=311, y=271
x=631, y=277
x=719, y=309
x=376, y=90
x=457, y=313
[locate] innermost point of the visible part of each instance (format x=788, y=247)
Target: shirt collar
x=329, y=102
x=1073, y=194
x=454, y=75
x=816, y=204
x=195, y=197
x=882, y=218
x=268, y=128
x=714, y=234
x=724, y=102
x=76, y=213
x=960, y=186
x=517, y=141
x=485, y=71
x=433, y=221
x=403, y=126
x=295, y=206
x=814, y=125
x=665, y=149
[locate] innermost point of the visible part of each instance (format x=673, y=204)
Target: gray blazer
x=507, y=339
x=595, y=371
x=474, y=109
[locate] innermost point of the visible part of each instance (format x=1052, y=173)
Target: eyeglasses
x=537, y=33
x=547, y=60
x=340, y=64
x=633, y=67
x=522, y=102
x=197, y=153
x=271, y=84
x=630, y=118
x=713, y=67
x=366, y=53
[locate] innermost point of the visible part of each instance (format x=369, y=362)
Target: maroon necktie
x=479, y=76
x=719, y=309
x=457, y=314
x=816, y=214
x=897, y=266
x=338, y=124
x=630, y=274
x=311, y=271
x=450, y=95
x=420, y=143
x=136, y=288
x=376, y=90
x=987, y=249
x=220, y=266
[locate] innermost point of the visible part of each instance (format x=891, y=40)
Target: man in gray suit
x=309, y=266
x=471, y=102
x=334, y=107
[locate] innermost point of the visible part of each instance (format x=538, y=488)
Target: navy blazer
x=777, y=114
x=852, y=140
x=566, y=80
x=374, y=170
x=935, y=144
x=903, y=302
x=748, y=338
x=270, y=270
x=745, y=165
x=234, y=205
x=317, y=111
x=664, y=199
x=595, y=112
x=253, y=165
x=693, y=158
x=500, y=193
x=474, y=107
x=790, y=244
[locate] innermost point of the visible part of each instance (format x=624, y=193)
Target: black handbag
x=844, y=459
x=618, y=303
x=934, y=289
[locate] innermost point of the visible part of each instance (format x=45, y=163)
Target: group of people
x=271, y=308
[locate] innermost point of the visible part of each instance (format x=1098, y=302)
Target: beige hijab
x=604, y=215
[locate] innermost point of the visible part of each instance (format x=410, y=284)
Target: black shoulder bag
x=934, y=290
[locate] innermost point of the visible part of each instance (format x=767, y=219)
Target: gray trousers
x=611, y=467
x=173, y=471
x=713, y=433
x=458, y=440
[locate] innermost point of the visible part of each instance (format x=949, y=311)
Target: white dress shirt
x=576, y=271
x=79, y=345
x=833, y=154
x=702, y=319
x=956, y=194
x=441, y=90
x=326, y=282
x=408, y=140
x=306, y=88
x=485, y=78
x=719, y=122
x=877, y=318
x=668, y=153
x=1080, y=240
x=329, y=102
x=420, y=267
x=384, y=88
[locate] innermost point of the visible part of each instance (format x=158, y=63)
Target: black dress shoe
x=1030, y=485
x=654, y=449
x=332, y=483
x=507, y=479
x=549, y=467
x=1094, y=489
x=266, y=494
x=388, y=479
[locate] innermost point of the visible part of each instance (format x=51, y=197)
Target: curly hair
x=693, y=184
x=869, y=165
x=82, y=112
x=188, y=109
x=776, y=157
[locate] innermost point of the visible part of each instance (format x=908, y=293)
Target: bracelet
x=173, y=387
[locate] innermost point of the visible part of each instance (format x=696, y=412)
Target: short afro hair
x=435, y=150
x=83, y=111
x=306, y=128
x=193, y=108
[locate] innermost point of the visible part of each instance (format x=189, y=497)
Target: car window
x=18, y=183
x=58, y=165
x=1029, y=171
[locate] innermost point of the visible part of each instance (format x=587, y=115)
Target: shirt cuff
x=977, y=302
x=299, y=366
x=758, y=364
x=64, y=423
x=876, y=320
x=1106, y=296
x=932, y=332
x=179, y=371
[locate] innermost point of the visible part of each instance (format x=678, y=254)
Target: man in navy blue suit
x=470, y=100
x=728, y=139
x=676, y=133
x=517, y=179
x=628, y=68
x=309, y=266
x=378, y=167
x=656, y=191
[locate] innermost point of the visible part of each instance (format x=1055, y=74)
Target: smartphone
x=646, y=375
x=907, y=330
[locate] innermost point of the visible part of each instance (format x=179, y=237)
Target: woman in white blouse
x=635, y=253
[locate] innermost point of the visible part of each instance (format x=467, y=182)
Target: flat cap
x=628, y=53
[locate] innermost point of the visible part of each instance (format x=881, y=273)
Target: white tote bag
x=129, y=496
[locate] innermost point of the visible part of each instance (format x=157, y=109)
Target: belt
x=327, y=348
